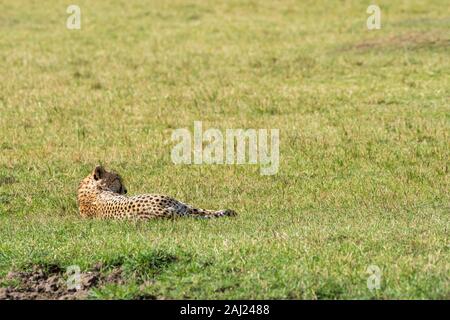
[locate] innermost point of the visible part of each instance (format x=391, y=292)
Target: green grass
x=364, y=119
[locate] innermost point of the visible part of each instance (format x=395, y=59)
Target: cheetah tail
x=206, y=214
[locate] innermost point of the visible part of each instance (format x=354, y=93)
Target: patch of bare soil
x=50, y=282
x=412, y=40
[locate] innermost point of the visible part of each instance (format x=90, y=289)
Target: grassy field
x=364, y=119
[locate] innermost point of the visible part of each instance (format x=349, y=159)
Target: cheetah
x=102, y=195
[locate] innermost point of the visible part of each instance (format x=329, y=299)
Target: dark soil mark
x=413, y=40
x=51, y=282
x=4, y=180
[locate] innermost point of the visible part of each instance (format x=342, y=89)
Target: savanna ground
x=364, y=121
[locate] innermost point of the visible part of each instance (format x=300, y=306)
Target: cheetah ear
x=98, y=172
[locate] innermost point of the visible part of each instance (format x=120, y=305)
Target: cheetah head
x=104, y=180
